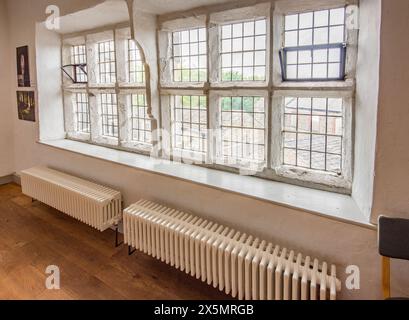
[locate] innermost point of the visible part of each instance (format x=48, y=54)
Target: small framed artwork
x=26, y=105
x=23, y=67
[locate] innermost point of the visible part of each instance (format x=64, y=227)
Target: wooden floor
x=34, y=236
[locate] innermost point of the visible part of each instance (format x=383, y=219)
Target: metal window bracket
x=283, y=61
x=73, y=76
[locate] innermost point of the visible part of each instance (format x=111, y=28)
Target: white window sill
x=341, y=85
x=329, y=205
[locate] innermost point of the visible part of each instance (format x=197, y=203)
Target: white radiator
x=236, y=263
x=90, y=203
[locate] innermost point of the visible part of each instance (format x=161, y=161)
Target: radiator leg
x=130, y=251
x=117, y=243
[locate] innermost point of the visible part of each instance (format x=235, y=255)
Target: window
x=243, y=51
x=79, y=61
x=256, y=110
x=189, y=55
x=113, y=103
x=136, y=67
x=243, y=128
x=314, y=45
x=313, y=133
x=237, y=106
x=106, y=62
x=190, y=123
x=109, y=115
x=141, y=124
x=82, y=113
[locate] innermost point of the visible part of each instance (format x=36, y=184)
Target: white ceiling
x=167, y=6
x=106, y=13
x=116, y=11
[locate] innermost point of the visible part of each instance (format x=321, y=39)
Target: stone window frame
x=120, y=34
x=274, y=87
x=336, y=89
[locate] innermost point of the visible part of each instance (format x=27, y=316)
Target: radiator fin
x=238, y=264
x=97, y=206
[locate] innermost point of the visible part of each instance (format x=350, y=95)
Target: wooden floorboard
x=35, y=236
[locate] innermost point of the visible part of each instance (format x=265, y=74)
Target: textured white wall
x=23, y=16
x=48, y=62
x=392, y=149
x=366, y=103
x=392, y=156
x=340, y=243
x=6, y=123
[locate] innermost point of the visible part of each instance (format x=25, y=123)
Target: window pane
x=306, y=20
x=141, y=124
x=79, y=57
x=243, y=129
x=135, y=64
x=313, y=133
x=189, y=122
x=82, y=112
x=322, y=35
x=291, y=22
x=106, y=62
x=190, y=55
x=243, y=51
x=109, y=115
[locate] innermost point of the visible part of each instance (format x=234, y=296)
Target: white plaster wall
x=366, y=103
x=392, y=152
x=392, y=156
x=145, y=34
x=48, y=44
x=6, y=124
x=339, y=243
x=23, y=16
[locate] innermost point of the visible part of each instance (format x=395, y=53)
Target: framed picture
x=23, y=67
x=26, y=105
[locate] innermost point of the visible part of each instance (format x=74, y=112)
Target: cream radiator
x=238, y=264
x=90, y=203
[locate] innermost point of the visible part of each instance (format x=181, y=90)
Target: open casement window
x=75, y=67
x=108, y=106
x=315, y=62
x=314, y=47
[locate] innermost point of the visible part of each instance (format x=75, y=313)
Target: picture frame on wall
x=23, y=67
x=26, y=105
